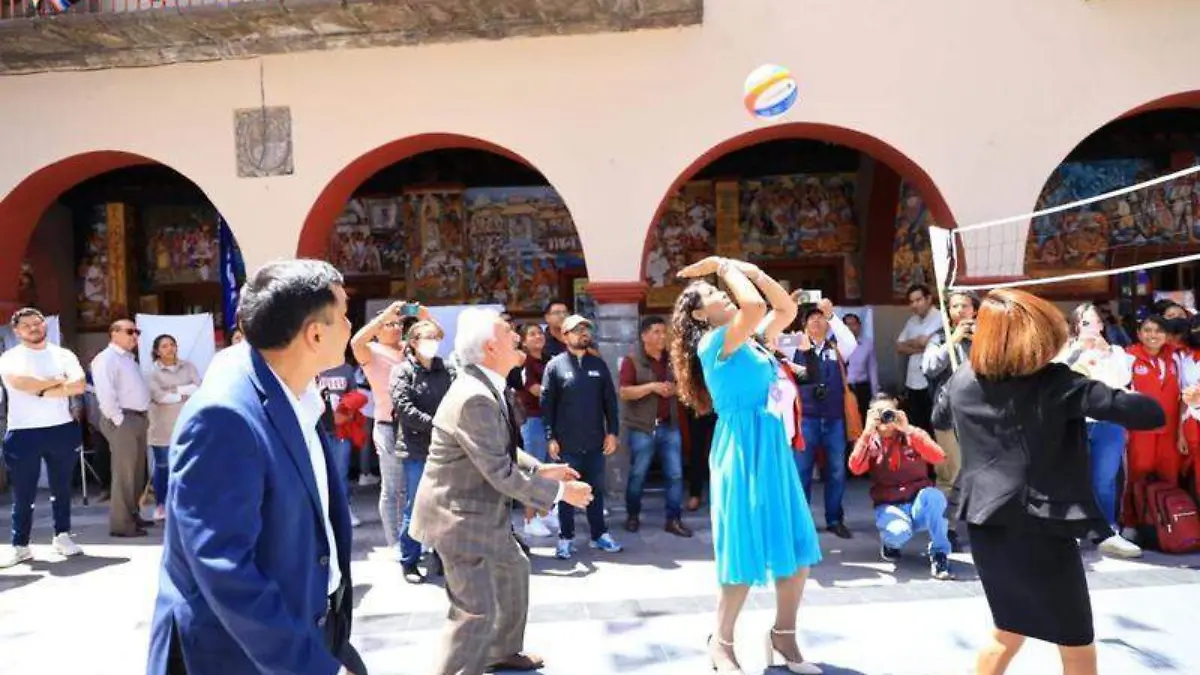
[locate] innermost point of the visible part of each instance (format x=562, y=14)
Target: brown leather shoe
x=633, y=524
x=139, y=532
x=523, y=661
x=677, y=528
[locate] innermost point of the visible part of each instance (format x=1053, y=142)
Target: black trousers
x=862, y=393
x=700, y=435
x=918, y=405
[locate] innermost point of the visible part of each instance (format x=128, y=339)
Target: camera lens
x=887, y=416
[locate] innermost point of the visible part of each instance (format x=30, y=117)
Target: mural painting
x=435, y=270
x=685, y=233
x=519, y=239
x=369, y=238
x=95, y=311
x=912, y=260
x=181, y=245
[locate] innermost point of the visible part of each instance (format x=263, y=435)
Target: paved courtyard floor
x=645, y=611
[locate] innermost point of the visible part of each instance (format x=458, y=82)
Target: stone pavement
x=645, y=611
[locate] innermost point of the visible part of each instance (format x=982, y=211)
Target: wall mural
x=504, y=245
x=94, y=306
x=181, y=245
x=912, y=259
x=1081, y=240
x=776, y=218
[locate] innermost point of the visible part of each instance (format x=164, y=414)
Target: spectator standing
x=862, y=369
x=911, y=343
x=579, y=405
x=172, y=382
x=555, y=315
x=528, y=388
x=334, y=384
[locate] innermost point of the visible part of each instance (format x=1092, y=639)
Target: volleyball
x=770, y=91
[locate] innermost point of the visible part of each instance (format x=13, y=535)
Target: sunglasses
x=129, y=331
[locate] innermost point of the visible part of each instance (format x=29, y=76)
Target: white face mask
x=428, y=349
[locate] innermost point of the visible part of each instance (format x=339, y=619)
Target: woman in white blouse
x=1089, y=354
x=172, y=381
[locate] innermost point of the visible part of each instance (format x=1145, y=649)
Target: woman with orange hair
x=1026, y=487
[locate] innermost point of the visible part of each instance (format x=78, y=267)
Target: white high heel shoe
x=727, y=671
x=800, y=668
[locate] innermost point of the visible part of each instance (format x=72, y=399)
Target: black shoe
x=413, y=575
x=633, y=524
x=939, y=567
x=889, y=554
x=677, y=528
x=840, y=530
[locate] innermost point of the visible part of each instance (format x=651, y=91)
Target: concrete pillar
x=617, y=314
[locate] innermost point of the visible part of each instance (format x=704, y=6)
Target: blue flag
x=230, y=265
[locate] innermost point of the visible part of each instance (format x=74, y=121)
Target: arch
x=878, y=149
x=318, y=225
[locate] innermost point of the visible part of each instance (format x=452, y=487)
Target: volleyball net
x=1148, y=222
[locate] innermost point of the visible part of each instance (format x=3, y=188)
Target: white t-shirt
x=26, y=411
x=914, y=328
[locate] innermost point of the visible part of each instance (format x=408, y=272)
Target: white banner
x=192, y=332
x=941, y=242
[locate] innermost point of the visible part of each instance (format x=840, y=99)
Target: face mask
x=428, y=348
x=1090, y=330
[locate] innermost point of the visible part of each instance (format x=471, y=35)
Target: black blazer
x=1025, y=450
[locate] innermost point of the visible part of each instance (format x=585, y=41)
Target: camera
x=410, y=309
x=887, y=416
x=821, y=392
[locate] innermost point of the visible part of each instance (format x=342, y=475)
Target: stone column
x=617, y=315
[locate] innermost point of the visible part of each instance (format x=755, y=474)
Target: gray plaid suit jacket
x=464, y=502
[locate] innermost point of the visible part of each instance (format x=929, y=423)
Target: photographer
x=898, y=456
x=935, y=364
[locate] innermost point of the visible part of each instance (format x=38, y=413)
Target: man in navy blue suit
x=256, y=559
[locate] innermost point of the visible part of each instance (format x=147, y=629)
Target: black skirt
x=1035, y=584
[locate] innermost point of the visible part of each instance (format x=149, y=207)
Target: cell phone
x=810, y=297
x=410, y=309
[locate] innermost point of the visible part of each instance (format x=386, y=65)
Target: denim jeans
x=668, y=445
x=410, y=549
x=391, y=482
x=533, y=435
x=24, y=451
x=830, y=434
x=158, y=477
x=898, y=522
x=341, y=448
x=591, y=467
x=1106, y=444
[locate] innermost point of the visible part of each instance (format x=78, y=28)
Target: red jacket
x=349, y=421
x=899, y=464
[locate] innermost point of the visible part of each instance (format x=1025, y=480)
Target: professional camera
x=887, y=416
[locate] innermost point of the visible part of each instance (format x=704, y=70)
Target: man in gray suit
x=463, y=506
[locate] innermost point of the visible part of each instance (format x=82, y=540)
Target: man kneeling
x=898, y=457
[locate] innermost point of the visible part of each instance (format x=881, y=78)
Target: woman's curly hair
x=686, y=332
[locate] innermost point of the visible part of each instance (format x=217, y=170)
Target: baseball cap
x=575, y=321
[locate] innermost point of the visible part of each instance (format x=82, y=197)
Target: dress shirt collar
x=308, y=407
x=497, y=380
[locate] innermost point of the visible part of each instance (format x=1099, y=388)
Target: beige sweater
x=165, y=402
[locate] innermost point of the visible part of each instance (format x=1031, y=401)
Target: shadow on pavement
x=75, y=566
x=11, y=583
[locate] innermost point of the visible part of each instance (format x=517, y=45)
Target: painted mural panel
x=436, y=269
x=182, y=245
x=519, y=239
x=685, y=233
x=95, y=311
x=912, y=259
x=787, y=216
x=369, y=238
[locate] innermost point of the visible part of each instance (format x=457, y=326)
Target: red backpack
x=1166, y=516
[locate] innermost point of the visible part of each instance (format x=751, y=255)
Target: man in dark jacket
x=417, y=386
x=579, y=408
x=936, y=366
x=898, y=456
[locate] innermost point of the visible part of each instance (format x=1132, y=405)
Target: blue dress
x=762, y=527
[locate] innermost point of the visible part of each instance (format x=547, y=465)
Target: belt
x=127, y=411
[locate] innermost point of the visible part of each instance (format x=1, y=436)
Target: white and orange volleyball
x=770, y=91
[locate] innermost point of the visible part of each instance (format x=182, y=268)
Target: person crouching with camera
x=897, y=456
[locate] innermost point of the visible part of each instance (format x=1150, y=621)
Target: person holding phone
x=897, y=457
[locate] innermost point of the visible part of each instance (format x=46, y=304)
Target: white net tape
x=997, y=249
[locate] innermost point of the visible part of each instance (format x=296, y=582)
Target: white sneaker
x=1130, y=534
x=1118, y=547
x=15, y=556
x=534, y=527
x=354, y=521
x=65, y=546
x=550, y=522
x=367, y=480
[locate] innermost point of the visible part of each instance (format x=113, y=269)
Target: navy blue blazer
x=243, y=587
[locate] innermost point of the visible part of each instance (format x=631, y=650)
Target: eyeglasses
x=129, y=331
x=392, y=324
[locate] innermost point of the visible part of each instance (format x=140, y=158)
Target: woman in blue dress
x=762, y=528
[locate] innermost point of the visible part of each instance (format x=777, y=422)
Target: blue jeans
x=161, y=472
x=410, y=549
x=1106, y=443
x=24, y=451
x=591, y=466
x=898, y=522
x=341, y=448
x=533, y=435
x=668, y=445
x=821, y=432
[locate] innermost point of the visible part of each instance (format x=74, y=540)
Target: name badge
x=593, y=373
